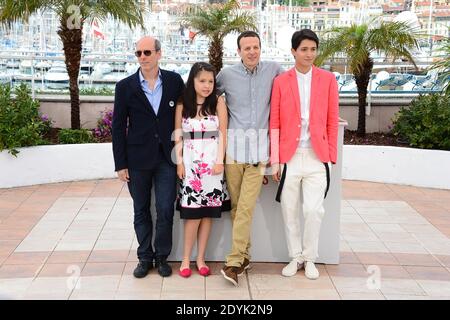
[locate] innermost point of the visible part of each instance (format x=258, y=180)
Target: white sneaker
x=311, y=271
x=292, y=268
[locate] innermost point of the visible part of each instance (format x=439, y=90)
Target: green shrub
x=69, y=136
x=20, y=122
x=426, y=122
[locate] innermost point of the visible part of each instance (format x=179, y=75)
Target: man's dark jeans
x=163, y=177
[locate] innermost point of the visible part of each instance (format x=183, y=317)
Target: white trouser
x=307, y=172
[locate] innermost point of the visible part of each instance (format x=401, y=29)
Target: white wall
x=416, y=167
x=56, y=163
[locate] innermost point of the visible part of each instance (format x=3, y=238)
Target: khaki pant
x=244, y=185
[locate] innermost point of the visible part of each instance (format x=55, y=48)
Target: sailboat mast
x=430, y=39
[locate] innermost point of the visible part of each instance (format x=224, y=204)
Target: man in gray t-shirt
x=247, y=87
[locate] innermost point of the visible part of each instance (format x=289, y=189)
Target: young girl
x=200, y=124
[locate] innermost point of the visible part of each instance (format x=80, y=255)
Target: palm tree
x=73, y=15
x=443, y=66
x=215, y=22
x=357, y=42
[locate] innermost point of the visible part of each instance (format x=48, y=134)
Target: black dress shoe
x=164, y=269
x=142, y=269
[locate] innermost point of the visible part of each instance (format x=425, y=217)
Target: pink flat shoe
x=185, y=273
x=204, y=271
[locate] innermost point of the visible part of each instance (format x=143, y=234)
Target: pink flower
x=202, y=169
x=196, y=184
x=213, y=202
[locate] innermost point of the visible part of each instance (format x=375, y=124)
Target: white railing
x=24, y=67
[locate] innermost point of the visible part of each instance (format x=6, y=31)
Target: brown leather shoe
x=245, y=265
x=230, y=274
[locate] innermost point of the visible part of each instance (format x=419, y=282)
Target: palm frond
x=202, y=20
x=219, y=20
x=395, y=39
x=129, y=12
x=20, y=10
x=240, y=23
x=331, y=46
x=349, y=40
x=443, y=65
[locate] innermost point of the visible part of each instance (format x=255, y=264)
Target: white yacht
x=57, y=77
x=42, y=66
x=86, y=67
x=26, y=68
x=131, y=68
x=100, y=70
x=13, y=64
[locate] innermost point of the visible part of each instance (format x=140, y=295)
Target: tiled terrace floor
x=76, y=241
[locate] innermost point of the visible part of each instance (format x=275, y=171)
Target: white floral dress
x=201, y=193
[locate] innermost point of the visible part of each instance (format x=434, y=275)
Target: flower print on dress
x=202, y=169
x=188, y=144
x=196, y=184
x=214, y=198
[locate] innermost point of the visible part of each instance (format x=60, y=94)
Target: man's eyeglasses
x=145, y=52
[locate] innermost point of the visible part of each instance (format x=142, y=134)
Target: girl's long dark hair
x=190, y=96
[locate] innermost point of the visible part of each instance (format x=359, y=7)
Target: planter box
x=415, y=167
x=56, y=163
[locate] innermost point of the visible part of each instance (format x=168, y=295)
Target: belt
x=192, y=135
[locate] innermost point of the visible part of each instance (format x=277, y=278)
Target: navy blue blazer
x=136, y=130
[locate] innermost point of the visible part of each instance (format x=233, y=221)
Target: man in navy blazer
x=143, y=123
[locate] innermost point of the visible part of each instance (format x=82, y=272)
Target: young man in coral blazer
x=303, y=132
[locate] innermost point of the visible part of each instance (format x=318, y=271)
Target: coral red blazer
x=285, y=120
